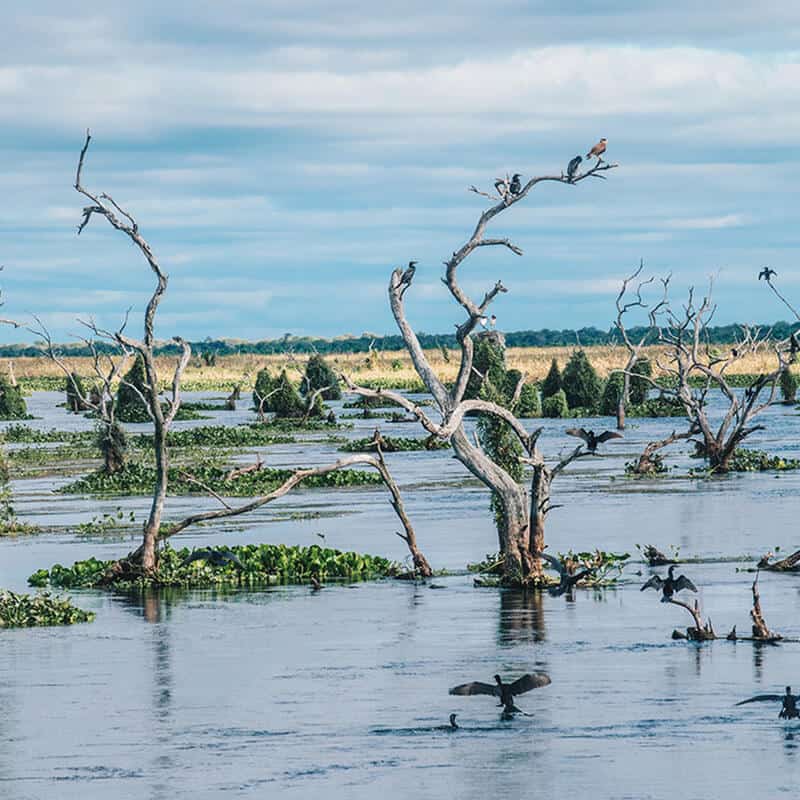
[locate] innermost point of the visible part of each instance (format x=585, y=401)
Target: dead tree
x=689, y=357
x=161, y=411
x=627, y=302
x=514, y=534
x=650, y=461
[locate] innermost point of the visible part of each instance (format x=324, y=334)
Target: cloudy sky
x=282, y=157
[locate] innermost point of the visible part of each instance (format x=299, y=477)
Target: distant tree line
x=583, y=337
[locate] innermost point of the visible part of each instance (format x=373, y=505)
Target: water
x=285, y=693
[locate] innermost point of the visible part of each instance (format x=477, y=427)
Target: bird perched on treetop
x=598, y=149
x=407, y=277
x=572, y=167
x=516, y=186
x=767, y=273
x=591, y=439
x=670, y=585
x=505, y=691
x=788, y=703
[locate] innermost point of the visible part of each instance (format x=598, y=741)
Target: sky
x=282, y=157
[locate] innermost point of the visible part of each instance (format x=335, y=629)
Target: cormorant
x=516, y=186
x=453, y=723
x=598, y=149
x=505, y=691
x=566, y=580
x=767, y=273
x=216, y=557
x=572, y=167
x=788, y=703
x=591, y=439
x=669, y=586
x=407, y=277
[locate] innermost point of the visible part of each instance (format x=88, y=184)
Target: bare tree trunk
x=540, y=503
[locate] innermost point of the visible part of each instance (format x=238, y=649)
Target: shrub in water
x=552, y=382
x=265, y=383
x=555, y=406
x=75, y=392
x=789, y=386
x=318, y=375
x=12, y=406
x=639, y=387
x=129, y=405
x=581, y=385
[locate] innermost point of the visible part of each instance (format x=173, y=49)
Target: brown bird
x=591, y=439
x=505, y=691
x=598, y=149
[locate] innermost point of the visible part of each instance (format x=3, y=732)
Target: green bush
x=556, y=406
x=12, y=404
x=265, y=383
x=489, y=364
x=552, y=382
x=26, y=611
x=75, y=393
x=580, y=383
x=286, y=402
x=612, y=393
x=319, y=374
x=529, y=404
x=640, y=388
x=129, y=405
x=789, y=386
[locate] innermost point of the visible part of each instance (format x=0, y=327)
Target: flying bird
x=407, y=277
x=567, y=581
x=788, y=703
x=598, y=149
x=216, y=557
x=516, y=186
x=505, y=691
x=669, y=586
x=767, y=273
x=591, y=439
x=572, y=167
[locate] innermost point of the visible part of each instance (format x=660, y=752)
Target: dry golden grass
x=386, y=366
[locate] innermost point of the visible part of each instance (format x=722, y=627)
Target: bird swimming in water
x=516, y=186
x=598, y=149
x=216, y=557
x=453, y=723
x=788, y=703
x=407, y=277
x=505, y=691
x=572, y=167
x=591, y=439
x=669, y=586
x=567, y=581
x=767, y=273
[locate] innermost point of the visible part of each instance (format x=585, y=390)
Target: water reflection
x=155, y=611
x=521, y=618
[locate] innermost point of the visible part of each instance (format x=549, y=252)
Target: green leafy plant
x=26, y=611
x=555, y=406
x=580, y=382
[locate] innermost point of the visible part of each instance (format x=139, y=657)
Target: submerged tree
x=518, y=544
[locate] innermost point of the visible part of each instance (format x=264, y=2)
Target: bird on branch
x=567, y=580
x=407, y=277
x=572, y=167
x=767, y=273
x=505, y=691
x=591, y=439
x=788, y=703
x=598, y=149
x=516, y=186
x=669, y=586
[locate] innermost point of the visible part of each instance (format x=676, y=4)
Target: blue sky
x=282, y=157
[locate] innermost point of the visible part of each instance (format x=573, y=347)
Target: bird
x=598, y=149
x=505, y=691
x=453, y=723
x=567, y=581
x=572, y=167
x=516, y=186
x=592, y=439
x=669, y=586
x=788, y=703
x=407, y=277
x=216, y=557
x=315, y=584
x=767, y=273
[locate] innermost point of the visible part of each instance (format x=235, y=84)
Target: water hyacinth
x=260, y=564
x=26, y=611
x=393, y=444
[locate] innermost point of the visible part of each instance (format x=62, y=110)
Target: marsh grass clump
x=139, y=478
x=252, y=564
x=27, y=611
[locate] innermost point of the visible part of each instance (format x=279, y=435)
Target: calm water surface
x=285, y=693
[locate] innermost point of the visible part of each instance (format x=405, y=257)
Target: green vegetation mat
x=392, y=444
x=26, y=611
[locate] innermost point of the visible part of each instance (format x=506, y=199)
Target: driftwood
x=789, y=564
x=699, y=632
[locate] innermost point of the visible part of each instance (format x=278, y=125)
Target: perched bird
x=572, y=167
x=767, y=273
x=505, y=691
x=407, y=277
x=453, y=723
x=598, y=149
x=591, y=439
x=788, y=703
x=566, y=580
x=669, y=586
x=516, y=186
x=216, y=557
